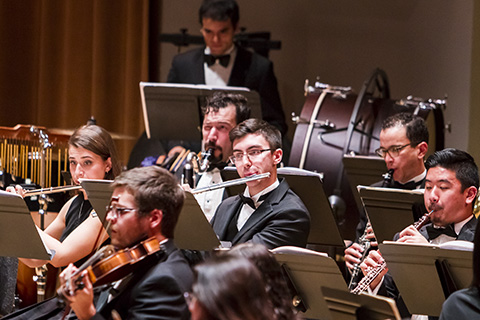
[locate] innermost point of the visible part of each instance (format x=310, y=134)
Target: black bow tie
x=250, y=202
x=435, y=232
x=219, y=165
x=411, y=185
x=224, y=59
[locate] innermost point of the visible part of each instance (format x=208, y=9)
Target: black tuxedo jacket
x=418, y=210
x=389, y=289
x=250, y=70
x=154, y=291
x=281, y=220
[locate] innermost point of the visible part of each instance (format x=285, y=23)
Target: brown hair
x=97, y=140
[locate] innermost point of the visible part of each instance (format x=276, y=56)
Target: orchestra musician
x=450, y=191
x=146, y=203
x=274, y=279
x=464, y=304
x=403, y=146
x=223, y=63
x=221, y=113
x=73, y=233
x=268, y=212
x=229, y=288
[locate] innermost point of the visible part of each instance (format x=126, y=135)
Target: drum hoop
x=310, y=128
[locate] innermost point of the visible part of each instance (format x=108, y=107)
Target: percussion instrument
x=335, y=121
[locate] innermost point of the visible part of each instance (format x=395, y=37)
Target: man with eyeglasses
x=146, y=203
x=403, y=146
x=267, y=212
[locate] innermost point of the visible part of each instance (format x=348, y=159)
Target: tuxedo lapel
x=240, y=67
x=196, y=73
x=263, y=211
x=220, y=224
x=467, y=232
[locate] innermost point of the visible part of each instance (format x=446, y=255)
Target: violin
x=108, y=265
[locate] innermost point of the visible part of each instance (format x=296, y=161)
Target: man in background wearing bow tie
x=222, y=63
x=450, y=191
x=268, y=212
x=403, y=146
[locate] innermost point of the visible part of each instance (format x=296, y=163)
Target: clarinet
x=365, y=244
x=387, y=178
x=373, y=273
x=363, y=241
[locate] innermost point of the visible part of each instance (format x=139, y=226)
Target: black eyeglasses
x=393, y=151
x=118, y=212
x=253, y=154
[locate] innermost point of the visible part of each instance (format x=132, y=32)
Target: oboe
x=363, y=241
x=375, y=271
x=387, y=178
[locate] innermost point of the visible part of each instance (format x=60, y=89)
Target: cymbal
x=69, y=132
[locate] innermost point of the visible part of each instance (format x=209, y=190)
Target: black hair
x=220, y=10
x=463, y=164
x=416, y=129
x=221, y=99
x=260, y=127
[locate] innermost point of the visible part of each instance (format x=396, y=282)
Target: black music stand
x=173, y=111
x=425, y=271
x=389, y=210
x=363, y=170
x=192, y=231
x=18, y=234
x=308, y=271
x=99, y=194
x=344, y=305
x=308, y=186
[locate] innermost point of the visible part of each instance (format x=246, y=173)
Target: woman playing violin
x=74, y=232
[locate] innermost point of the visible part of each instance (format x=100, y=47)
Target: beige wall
x=424, y=46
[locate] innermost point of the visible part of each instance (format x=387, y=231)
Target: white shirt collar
x=459, y=225
x=255, y=198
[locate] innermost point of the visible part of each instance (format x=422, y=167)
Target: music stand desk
x=363, y=170
x=389, y=210
x=309, y=273
x=18, y=234
x=344, y=305
x=99, y=193
x=192, y=231
x=167, y=107
x=308, y=186
x=413, y=269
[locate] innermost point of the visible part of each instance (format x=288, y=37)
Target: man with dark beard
x=222, y=112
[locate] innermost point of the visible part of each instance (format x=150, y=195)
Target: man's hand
x=353, y=254
x=373, y=260
x=79, y=299
x=411, y=235
x=371, y=236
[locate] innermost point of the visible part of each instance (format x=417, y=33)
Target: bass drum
x=334, y=121
x=319, y=143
